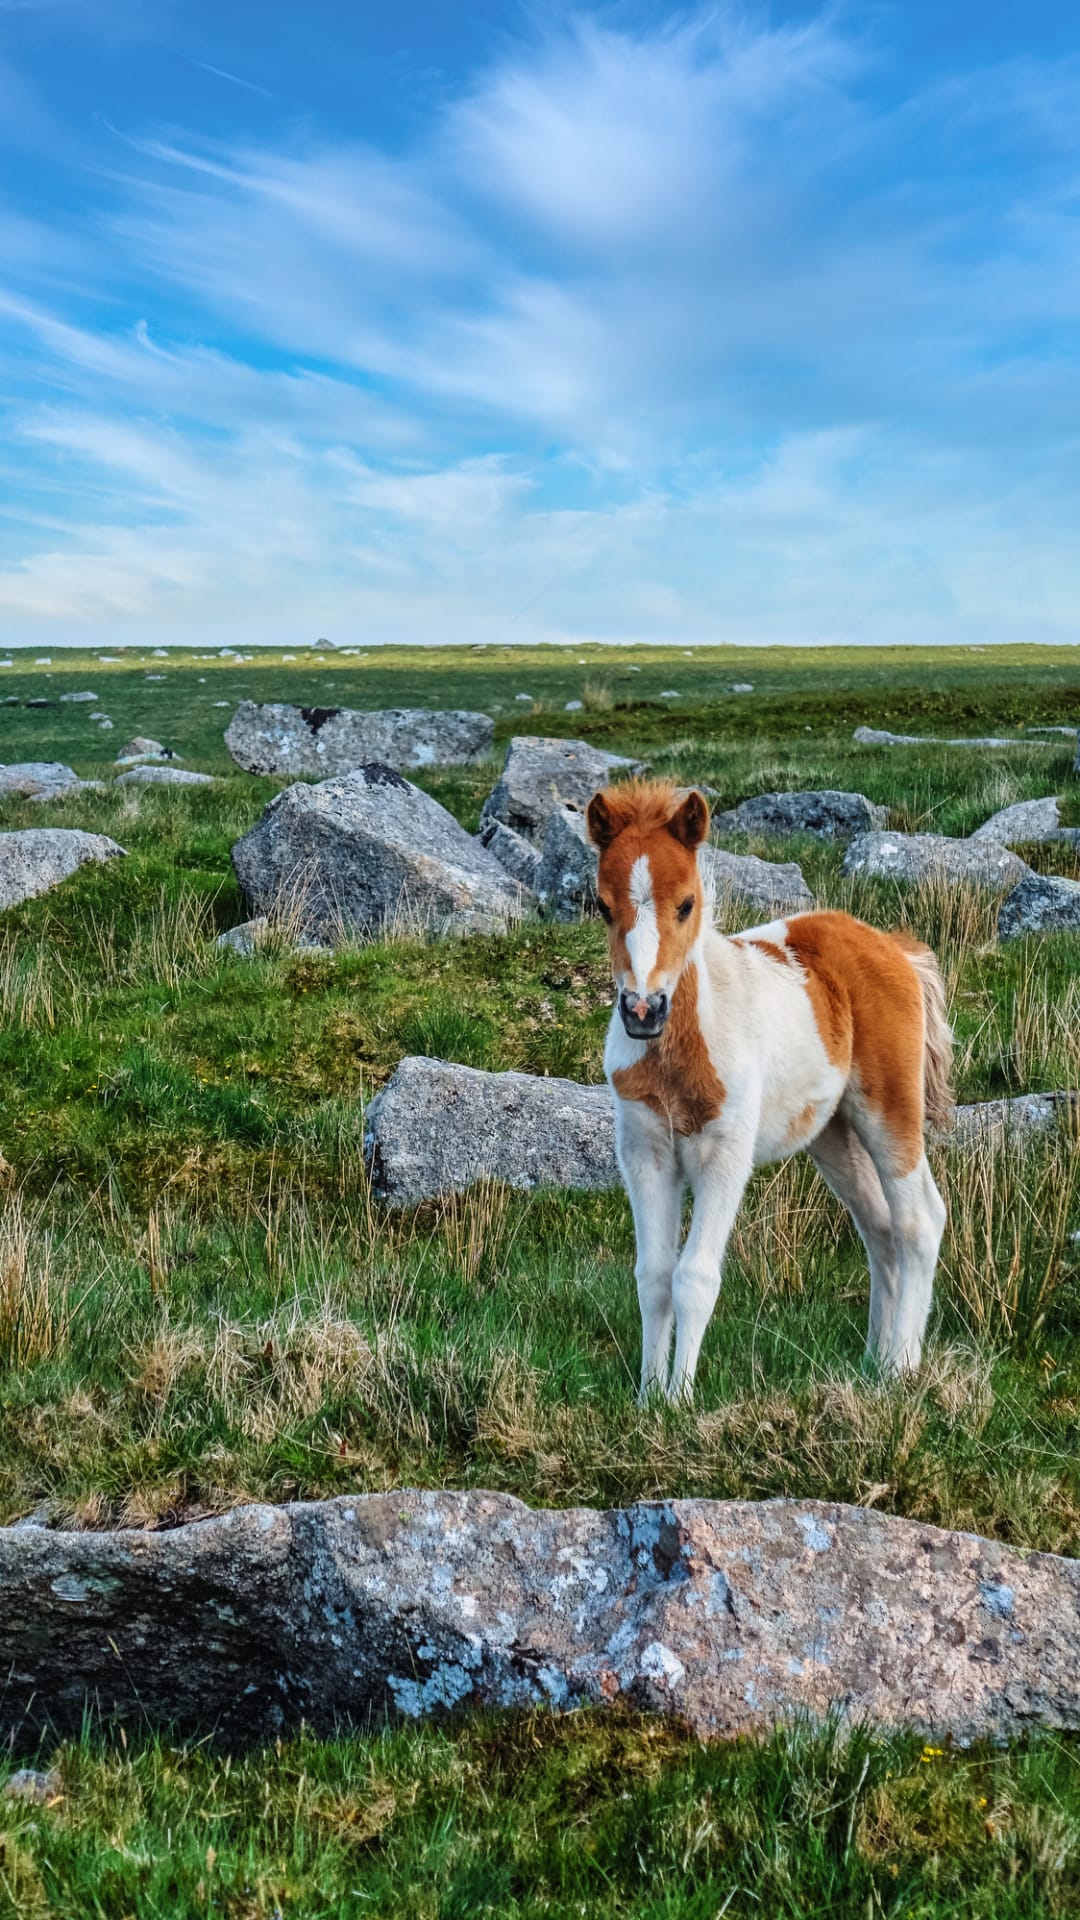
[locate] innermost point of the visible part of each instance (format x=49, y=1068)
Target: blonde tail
x=937, y=1062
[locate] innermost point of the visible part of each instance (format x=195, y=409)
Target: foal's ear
x=690, y=821
x=604, y=819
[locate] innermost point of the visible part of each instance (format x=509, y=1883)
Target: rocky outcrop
x=1041, y=903
x=143, y=748
x=754, y=886
x=360, y=853
x=1022, y=1116
x=37, y=859
x=566, y=878
x=437, y=1128
x=512, y=851
x=38, y=780
x=1027, y=821
x=334, y=740
x=879, y=737
x=733, y=1617
x=930, y=856
x=541, y=775
x=828, y=814
x=152, y=776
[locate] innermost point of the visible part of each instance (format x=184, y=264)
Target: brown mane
x=645, y=805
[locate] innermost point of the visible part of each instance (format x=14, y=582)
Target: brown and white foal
x=816, y=1032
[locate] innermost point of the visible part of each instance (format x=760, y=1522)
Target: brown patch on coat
x=769, y=947
x=802, y=1125
x=867, y=998
x=675, y=1077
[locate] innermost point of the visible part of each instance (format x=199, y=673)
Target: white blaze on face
x=643, y=939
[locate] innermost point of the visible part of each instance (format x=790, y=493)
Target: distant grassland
x=200, y=1303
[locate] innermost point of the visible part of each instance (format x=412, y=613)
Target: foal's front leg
x=655, y=1187
x=723, y=1168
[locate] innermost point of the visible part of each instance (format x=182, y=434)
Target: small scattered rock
x=574, y=706
x=253, y=935
x=741, y=686
x=33, y=1786
x=436, y=1128
x=156, y=776
x=74, y=699
x=36, y=859
x=335, y=740
x=142, y=748
x=828, y=814
x=366, y=851
x=1025, y=1114
x=512, y=851
x=925, y=856
x=540, y=775
x=1040, y=903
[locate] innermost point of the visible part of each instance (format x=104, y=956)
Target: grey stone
x=566, y=881
x=540, y=775
x=331, y=740
x=741, y=686
x=32, y=1786
x=27, y=779
x=520, y=858
x=254, y=935
x=829, y=814
x=36, y=859
x=1027, y=820
x=1041, y=903
x=1024, y=1115
x=733, y=1617
x=926, y=856
x=142, y=748
x=759, y=886
x=74, y=699
x=358, y=853
x=437, y=1127
x=878, y=737
x=157, y=776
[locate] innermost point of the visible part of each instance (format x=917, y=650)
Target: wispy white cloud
x=707, y=330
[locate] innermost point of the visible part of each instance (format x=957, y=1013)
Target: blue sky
x=498, y=322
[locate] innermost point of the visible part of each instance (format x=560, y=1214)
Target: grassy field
x=200, y=1304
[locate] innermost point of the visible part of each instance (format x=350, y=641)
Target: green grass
x=528, y=1817
x=200, y=1303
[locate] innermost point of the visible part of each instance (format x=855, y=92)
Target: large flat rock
x=38, y=858
x=367, y=851
x=826, y=812
x=438, y=1127
x=330, y=740
x=881, y=737
x=734, y=1616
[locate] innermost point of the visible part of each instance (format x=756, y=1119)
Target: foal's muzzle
x=643, y=1014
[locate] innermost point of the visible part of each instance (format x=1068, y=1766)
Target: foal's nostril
x=643, y=1014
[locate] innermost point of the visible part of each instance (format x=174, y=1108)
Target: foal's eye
x=686, y=909
x=605, y=911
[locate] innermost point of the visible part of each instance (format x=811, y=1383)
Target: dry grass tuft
x=35, y=1309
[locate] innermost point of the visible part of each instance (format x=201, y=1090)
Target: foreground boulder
x=437, y=1128
x=1040, y=903
x=828, y=814
x=38, y=858
x=931, y=856
x=329, y=740
x=541, y=775
x=367, y=850
x=732, y=1616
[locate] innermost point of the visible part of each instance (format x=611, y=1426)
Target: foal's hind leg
x=918, y=1216
x=848, y=1170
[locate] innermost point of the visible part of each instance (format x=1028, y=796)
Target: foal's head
x=649, y=892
